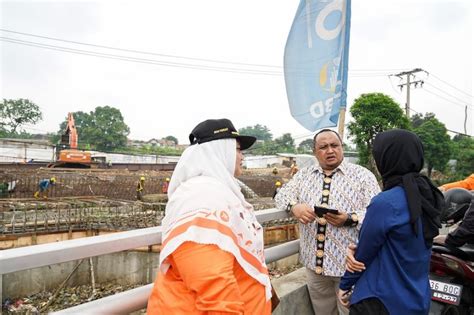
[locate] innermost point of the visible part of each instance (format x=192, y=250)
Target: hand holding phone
x=320, y=211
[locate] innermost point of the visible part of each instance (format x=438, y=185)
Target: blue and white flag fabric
x=315, y=65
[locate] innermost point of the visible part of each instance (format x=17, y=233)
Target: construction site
x=90, y=202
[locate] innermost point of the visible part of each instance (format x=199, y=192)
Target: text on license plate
x=445, y=292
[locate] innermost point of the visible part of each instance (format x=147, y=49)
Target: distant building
x=166, y=143
x=154, y=142
x=135, y=143
x=25, y=150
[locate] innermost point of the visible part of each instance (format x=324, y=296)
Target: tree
x=263, y=148
x=418, y=119
x=103, y=129
x=258, y=131
x=436, y=143
x=463, y=153
x=373, y=113
x=171, y=138
x=306, y=146
x=16, y=113
x=285, y=143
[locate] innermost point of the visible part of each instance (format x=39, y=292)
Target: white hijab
x=214, y=159
x=204, y=194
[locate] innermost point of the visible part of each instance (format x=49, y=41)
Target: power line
x=391, y=83
x=160, y=62
x=138, y=51
x=408, y=84
x=431, y=74
x=135, y=59
x=446, y=99
x=457, y=132
x=375, y=71
x=441, y=90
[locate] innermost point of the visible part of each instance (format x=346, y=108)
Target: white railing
x=29, y=257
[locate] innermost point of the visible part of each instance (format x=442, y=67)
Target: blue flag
x=316, y=58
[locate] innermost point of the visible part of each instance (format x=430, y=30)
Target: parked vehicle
x=452, y=268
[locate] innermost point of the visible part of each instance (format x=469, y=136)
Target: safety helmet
x=457, y=196
x=457, y=201
x=167, y=179
x=53, y=180
x=278, y=183
x=142, y=178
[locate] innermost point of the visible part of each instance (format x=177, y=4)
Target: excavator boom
x=71, y=130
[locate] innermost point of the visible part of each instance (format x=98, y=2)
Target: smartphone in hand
x=320, y=211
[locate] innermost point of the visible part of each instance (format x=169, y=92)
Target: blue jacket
x=43, y=184
x=397, y=261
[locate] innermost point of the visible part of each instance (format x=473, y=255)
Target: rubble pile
x=275, y=273
x=67, y=297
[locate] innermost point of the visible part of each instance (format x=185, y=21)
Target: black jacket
x=465, y=231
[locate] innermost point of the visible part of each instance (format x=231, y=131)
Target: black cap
x=215, y=129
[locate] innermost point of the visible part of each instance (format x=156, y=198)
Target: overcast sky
x=171, y=90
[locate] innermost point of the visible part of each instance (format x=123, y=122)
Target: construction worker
x=275, y=171
x=164, y=186
x=43, y=187
x=293, y=169
x=277, y=188
x=140, y=187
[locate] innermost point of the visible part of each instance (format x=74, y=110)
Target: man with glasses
x=332, y=183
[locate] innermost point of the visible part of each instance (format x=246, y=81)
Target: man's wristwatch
x=290, y=206
x=352, y=220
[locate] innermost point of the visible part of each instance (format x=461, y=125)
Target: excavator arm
x=71, y=130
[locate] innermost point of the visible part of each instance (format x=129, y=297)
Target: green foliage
x=172, y=138
x=53, y=137
x=463, y=153
x=436, y=142
x=148, y=149
x=306, y=146
x=16, y=113
x=262, y=148
x=418, y=119
x=103, y=129
x=258, y=131
x=285, y=143
x=373, y=113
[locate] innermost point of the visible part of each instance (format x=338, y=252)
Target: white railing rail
x=136, y=299
x=23, y=258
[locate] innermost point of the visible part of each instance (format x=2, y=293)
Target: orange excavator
x=67, y=154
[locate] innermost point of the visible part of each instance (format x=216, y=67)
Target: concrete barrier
x=293, y=293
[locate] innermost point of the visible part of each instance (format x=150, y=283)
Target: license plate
x=445, y=292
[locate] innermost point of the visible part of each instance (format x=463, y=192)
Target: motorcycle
x=452, y=269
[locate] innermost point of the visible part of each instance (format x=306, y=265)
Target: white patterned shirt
x=348, y=189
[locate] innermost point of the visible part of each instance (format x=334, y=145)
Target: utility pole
x=408, y=84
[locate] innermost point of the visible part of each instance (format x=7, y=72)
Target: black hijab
x=399, y=157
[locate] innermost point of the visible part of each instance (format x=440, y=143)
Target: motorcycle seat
x=465, y=252
x=469, y=250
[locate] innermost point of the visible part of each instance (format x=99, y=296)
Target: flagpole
x=342, y=118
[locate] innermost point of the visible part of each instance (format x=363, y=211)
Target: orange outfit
x=467, y=183
x=204, y=279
